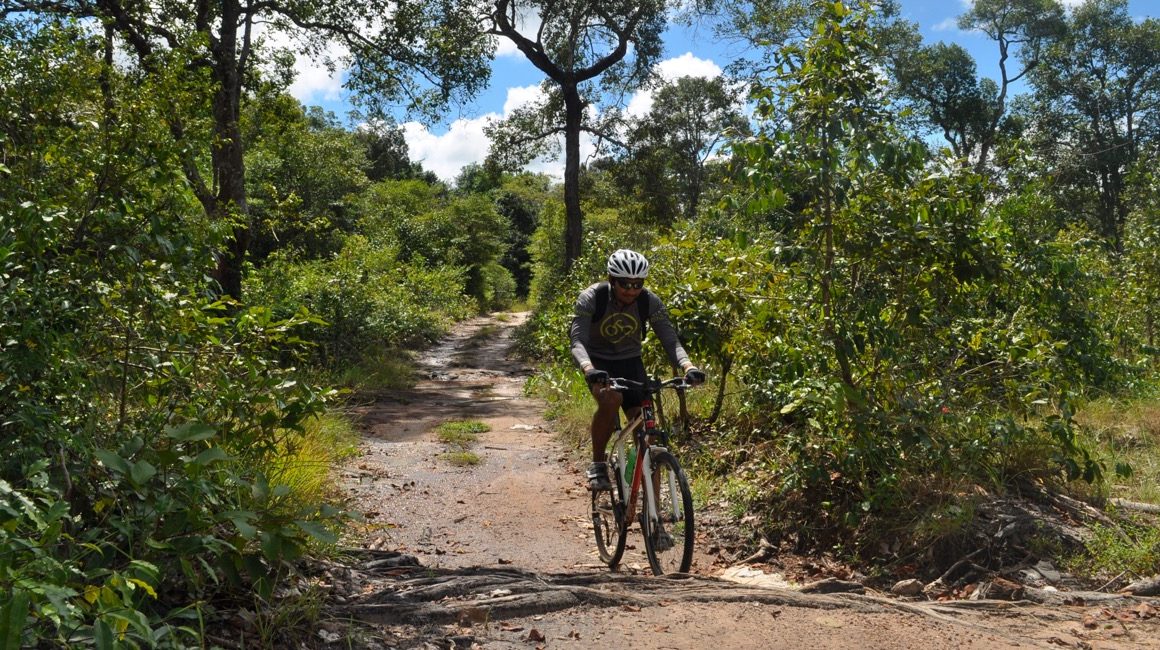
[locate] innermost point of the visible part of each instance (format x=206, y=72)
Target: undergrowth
x=378, y=369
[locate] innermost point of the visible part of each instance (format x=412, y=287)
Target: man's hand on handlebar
x=596, y=376
x=695, y=376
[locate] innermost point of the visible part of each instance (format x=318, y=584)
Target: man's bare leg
x=604, y=420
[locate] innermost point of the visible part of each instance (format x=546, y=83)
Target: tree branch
x=534, y=51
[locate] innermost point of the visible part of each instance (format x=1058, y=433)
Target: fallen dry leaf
x=535, y=636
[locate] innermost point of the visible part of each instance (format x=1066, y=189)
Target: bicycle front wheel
x=668, y=535
x=607, y=525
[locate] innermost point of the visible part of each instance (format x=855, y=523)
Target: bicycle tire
x=673, y=489
x=607, y=511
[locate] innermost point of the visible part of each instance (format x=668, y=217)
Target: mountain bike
x=666, y=513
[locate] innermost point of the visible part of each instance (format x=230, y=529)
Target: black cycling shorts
x=627, y=369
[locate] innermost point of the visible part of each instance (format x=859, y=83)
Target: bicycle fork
x=642, y=483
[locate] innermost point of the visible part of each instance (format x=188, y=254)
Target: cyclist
x=608, y=327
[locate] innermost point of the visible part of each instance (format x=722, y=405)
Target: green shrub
x=365, y=298
x=136, y=468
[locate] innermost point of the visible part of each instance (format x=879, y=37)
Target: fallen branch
x=764, y=551
x=1150, y=508
x=957, y=565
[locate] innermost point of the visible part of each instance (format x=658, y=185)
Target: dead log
x=1137, y=506
x=1143, y=587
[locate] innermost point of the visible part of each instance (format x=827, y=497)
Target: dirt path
x=499, y=554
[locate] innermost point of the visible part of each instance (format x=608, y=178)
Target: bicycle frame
x=642, y=426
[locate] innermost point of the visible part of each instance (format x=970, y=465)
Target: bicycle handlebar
x=652, y=386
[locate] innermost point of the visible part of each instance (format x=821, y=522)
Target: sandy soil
x=520, y=515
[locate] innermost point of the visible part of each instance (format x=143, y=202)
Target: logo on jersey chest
x=619, y=326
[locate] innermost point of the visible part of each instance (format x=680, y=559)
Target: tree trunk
x=1150, y=328
x=574, y=220
x=828, y=261
x=726, y=365
x=229, y=171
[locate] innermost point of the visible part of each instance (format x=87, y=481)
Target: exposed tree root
x=427, y=597
x=434, y=597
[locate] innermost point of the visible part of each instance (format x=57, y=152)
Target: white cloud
x=640, y=104
x=687, y=65
x=520, y=95
x=505, y=47
x=313, y=83
x=464, y=142
x=948, y=24
x=446, y=154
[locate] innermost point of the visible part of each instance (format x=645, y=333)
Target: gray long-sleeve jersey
x=617, y=335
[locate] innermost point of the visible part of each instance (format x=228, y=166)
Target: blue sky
x=459, y=140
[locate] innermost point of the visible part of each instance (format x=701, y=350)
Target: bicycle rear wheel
x=607, y=514
x=668, y=540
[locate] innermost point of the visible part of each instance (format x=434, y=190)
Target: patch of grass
x=279, y=622
x=461, y=458
x=382, y=369
x=1127, y=432
x=740, y=495
x=307, y=458
x=459, y=435
x=570, y=405
x=462, y=433
x=1133, y=549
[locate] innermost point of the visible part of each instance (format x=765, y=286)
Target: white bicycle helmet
x=627, y=264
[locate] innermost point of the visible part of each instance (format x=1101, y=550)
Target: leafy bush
x=498, y=287
x=139, y=423
x=365, y=297
x=427, y=229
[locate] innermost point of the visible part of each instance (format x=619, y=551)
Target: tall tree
x=1097, y=96
x=761, y=27
x=672, y=144
x=388, y=153
x=941, y=82
x=1019, y=28
x=575, y=43
x=302, y=170
x=389, y=44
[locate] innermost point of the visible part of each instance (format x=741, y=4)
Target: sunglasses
x=630, y=284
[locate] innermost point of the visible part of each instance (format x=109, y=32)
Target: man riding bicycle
x=607, y=332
